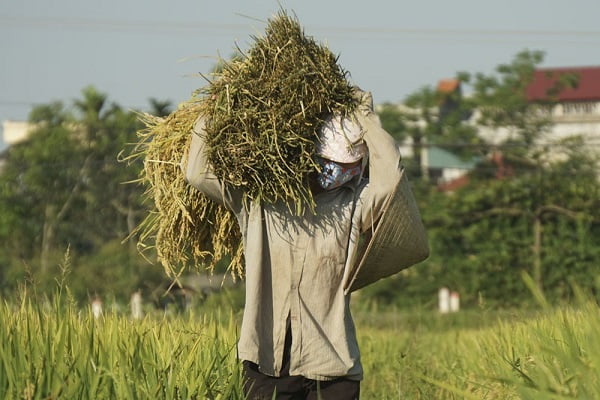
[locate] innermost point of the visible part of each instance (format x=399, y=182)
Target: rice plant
x=60, y=353
x=261, y=113
x=554, y=354
x=54, y=350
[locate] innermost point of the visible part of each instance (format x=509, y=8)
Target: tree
x=541, y=220
x=392, y=121
x=160, y=108
x=65, y=188
x=422, y=117
x=502, y=103
x=538, y=199
x=432, y=118
x=39, y=184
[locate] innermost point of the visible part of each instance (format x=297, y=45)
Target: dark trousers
x=258, y=386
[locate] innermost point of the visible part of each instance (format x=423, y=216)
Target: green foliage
x=231, y=299
x=114, y=271
x=57, y=352
x=502, y=96
x=392, y=120
x=541, y=218
x=64, y=187
x=36, y=177
x=483, y=236
x=502, y=103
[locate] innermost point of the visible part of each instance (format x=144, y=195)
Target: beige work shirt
x=297, y=267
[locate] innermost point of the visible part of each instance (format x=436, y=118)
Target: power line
x=98, y=163
x=19, y=103
x=113, y=24
x=182, y=26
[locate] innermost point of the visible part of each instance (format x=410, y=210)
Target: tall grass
x=57, y=352
x=53, y=350
x=552, y=355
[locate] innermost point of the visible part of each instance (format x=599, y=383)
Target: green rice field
x=55, y=350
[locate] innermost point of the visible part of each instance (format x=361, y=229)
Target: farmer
x=297, y=337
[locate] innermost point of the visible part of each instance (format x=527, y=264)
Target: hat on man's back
x=398, y=240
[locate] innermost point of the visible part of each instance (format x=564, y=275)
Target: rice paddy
x=54, y=350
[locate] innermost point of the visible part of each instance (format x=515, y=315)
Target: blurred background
x=495, y=105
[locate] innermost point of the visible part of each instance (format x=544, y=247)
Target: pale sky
x=133, y=50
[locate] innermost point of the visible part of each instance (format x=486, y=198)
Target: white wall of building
x=15, y=131
x=568, y=120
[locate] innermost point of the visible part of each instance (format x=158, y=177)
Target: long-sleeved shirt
x=296, y=267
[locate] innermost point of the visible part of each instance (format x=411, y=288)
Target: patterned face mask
x=333, y=175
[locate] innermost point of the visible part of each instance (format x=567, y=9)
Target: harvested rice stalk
x=185, y=227
x=261, y=113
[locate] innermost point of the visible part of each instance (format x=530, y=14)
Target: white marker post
x=454, y=302
x=136, y=305
x=444, y=300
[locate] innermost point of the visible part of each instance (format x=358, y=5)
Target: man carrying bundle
x=297, y=338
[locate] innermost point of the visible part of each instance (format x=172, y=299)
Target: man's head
x=340, y=150
x=341, y=140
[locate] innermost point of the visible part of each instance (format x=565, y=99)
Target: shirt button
x=293, y=286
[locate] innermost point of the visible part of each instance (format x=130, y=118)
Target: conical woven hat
x=399, y=240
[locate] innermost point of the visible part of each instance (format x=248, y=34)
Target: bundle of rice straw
x=262, y=112
x=185, y=227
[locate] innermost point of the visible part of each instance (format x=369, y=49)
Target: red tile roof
x=448, y=85
x=587, y=89
x=454, y=184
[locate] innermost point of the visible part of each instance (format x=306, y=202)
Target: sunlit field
x=553, y=354
x=54, y=350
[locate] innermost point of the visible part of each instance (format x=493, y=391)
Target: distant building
x=573, y=98
x=572, y=95
x=444, y=167
x=15, y=131
x=577, y=108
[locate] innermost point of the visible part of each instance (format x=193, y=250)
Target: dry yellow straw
x=262, y=112
x=185, y=227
